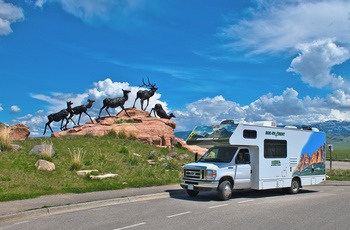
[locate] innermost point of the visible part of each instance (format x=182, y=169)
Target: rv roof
x=262, y=123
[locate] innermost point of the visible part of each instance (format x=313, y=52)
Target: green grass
x=338, y=174
x=113, y=153
x=19, y=178
x=339, y=154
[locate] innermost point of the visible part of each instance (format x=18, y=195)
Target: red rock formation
x=151, y=130
x=19, y=132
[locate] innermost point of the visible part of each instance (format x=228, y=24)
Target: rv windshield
x=219, y=154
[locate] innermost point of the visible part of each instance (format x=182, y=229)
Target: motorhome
x=256, y=155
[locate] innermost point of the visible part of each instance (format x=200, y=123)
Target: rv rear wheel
x=225, y=190
x=192, y=193
x=295, y=186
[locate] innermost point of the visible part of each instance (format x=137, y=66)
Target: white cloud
x=1, y=109
x=207, y=111
x=316, y=60
x=96, y=11
x=277, y=26
x=286, y=104
x=14, y=109
x=338, y=115
x=40, y=3
x=285, y=109
x=338, y=100
x=9, y=13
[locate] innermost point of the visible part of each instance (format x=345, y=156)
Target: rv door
x=243, y=170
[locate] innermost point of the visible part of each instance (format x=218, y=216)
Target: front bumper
x=199, y=185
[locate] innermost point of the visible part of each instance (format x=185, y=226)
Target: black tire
x=225, y=190
x=294, y=187
x=192, y=193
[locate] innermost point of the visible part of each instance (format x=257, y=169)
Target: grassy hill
x=115, y=153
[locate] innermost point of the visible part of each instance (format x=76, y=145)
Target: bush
x=46, y=151
x=77, y=158
x=5, y=139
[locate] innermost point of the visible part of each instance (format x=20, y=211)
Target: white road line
x=272, y=197
x=179, y=214
x=218, y=206
x=245, y=201
x=130, y=226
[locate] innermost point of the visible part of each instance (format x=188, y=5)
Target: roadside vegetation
x=5, y=143
x=338, y=174
x=115, y=153
x=339, y=154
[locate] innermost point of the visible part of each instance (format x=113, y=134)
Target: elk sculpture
x=115, y=102
x=161, y=112
x=145, y=94
x=80, y=110
x=60, y=116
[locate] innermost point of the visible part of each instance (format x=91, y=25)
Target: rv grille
x=194, y=173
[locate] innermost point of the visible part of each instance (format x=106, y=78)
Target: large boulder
x=44, y=165
x=151, y=130
x=19, y=132
x=43, y=150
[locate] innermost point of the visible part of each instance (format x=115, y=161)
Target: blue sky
x=286, y=61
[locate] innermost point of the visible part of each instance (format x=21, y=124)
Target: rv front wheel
x=295, y=186
x=225, y=190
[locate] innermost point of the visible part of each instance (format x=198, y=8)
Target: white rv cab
x=256, y=155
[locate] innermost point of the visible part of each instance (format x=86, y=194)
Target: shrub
x=5, y=139
x=122, y=135
x=77, y=158
x=46, y=151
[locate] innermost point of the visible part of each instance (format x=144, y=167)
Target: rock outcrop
x=18, y=132
x=151, y=130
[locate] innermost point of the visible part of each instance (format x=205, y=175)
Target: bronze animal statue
x=79, y=110
x=145, y=94
x=161, y=112
x=115, y=102
x=60, y=116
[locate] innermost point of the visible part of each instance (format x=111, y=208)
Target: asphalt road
x=339, y=165
x=315, y=207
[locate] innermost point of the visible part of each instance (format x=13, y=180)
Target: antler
x=149, y=83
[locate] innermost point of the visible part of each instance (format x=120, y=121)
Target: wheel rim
x=227, y=191
x=295, y=185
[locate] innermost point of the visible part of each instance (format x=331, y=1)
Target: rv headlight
x=211, y=174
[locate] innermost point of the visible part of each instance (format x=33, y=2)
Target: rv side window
x=251, y=134
x=275, y=148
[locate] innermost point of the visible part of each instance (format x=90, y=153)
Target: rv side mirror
x=196, y=157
